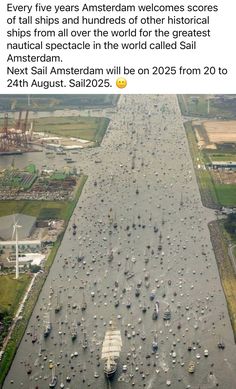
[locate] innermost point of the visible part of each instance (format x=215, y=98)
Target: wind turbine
x=15, y=232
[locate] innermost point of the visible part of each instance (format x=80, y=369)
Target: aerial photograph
x=117, y=241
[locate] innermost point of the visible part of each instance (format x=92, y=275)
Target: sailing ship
x=111, y=349
x=34, y=336
x=58, y=304
x=47, y=326
x=73, y=332
x=156, y=311
x=167, y=315
x=191, y=367
x=154, y=344
x=85, y=340
x=53, y=382
x=160, y=242
x=84, y=304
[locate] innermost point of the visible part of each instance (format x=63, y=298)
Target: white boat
x=54, y=379
x=111, y=349
x=47, y=325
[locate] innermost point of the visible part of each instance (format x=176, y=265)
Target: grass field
x=20, y=327
x=226, y=194
x=222, y=157
x=89, y=128
x=212, y=193
x=223, y=106
x=205, y=182
x=193, y=105
x=11, y=291
x=59, y=209
x=55, y=102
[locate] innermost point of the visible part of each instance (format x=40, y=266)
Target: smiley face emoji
x=121, y=82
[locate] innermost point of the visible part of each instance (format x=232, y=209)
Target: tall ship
x=47, y=325
x=111, y=349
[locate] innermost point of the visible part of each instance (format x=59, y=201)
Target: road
x=141, y=201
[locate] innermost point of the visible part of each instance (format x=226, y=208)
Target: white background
x=219, y=50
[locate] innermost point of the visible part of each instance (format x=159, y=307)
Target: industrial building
x=15, y=138
x=227, y=165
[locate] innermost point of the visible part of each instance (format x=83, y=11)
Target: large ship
x=47, y=325
x=111, y=349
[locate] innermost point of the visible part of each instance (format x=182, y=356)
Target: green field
x=84, y=127
x=39, y=208
x=213, y=195
x=11, y=291
x=89, y=128
x=54, y=102
x=193, y=105
x=222, y=157
x=205, y=182
x=221, y=106
x=226, y=194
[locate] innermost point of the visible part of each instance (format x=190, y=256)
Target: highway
x=140, y=225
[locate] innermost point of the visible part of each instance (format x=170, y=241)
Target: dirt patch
x=220, y=131
x=224, y=177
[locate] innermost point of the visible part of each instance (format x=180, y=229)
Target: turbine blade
x=13, y=231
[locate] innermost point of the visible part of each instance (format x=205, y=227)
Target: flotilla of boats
x=125, y=293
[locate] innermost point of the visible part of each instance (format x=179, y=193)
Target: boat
x=167, y=315
x=152, y=295
x=73, y=332
x=54, y=379
x=191, y=367
x=80, y=258
x=144, y=309
x=62, y=385
x=137, y=293
x=143, y=336
x=85, y=341
x=28, y=369
x=47, y=326
x=84, y=304
x=50, y=364
x=58, y=305
x=34, y=336
x=111, y=349
x=110, y=255
x=221, y=344
x=154, y=344
x=156, y=311
x=160, y=242
x=154, y=314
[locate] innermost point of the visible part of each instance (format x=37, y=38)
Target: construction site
x=16, y=139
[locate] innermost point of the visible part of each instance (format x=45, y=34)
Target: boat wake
x=151, y=382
